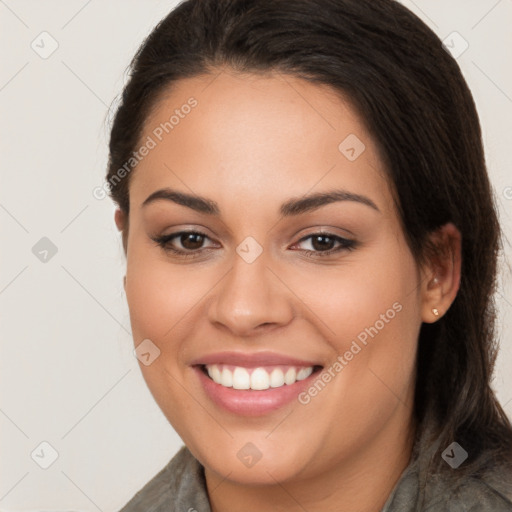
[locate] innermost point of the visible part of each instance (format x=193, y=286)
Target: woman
x=311, y=249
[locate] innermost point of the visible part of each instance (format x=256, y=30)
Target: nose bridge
x=250, y=295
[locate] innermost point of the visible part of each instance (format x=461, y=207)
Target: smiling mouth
x=257, y=378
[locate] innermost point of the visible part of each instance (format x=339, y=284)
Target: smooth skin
x=252, y=143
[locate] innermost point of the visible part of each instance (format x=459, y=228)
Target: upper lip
x=252, y=359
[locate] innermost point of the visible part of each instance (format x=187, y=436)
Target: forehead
x=256, y=138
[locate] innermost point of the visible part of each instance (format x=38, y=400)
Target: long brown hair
x=419, y=109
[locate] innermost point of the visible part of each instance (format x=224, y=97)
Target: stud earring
x=435, y=311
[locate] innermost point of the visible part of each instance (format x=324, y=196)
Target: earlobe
x=443, y=277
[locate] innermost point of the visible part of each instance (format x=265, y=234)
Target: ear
x=441, y=273
x=121, y=219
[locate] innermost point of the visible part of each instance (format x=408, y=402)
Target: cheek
x=371, y=320
x=159, y=294
x=159, y=297
x=369, y=294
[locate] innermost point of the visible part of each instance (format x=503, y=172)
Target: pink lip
x=251, y=402
x=251, y=360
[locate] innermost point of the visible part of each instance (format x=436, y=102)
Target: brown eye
x=322, y=242
x=326, y=244
x=187, y=244
x=192, y=241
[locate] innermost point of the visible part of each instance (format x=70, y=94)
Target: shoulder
x=419, y=490
x=178, y=486
x=489, y=492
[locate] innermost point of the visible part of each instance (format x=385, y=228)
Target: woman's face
x=300, y=266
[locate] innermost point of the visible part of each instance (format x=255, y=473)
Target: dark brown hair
x=414, y=100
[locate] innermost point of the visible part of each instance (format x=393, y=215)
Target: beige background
x=68, y=375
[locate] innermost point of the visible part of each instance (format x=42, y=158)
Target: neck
x=361, y=484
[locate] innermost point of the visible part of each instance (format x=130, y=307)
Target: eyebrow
x=289, y=208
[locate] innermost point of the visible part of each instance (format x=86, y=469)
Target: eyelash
x=164, y=243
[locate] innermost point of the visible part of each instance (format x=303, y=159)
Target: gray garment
x=181, y=487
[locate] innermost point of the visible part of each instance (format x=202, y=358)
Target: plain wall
x=67, y=372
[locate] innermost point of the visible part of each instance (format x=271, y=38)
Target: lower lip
x=250, y=402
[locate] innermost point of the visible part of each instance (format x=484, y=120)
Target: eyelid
x=326, y=230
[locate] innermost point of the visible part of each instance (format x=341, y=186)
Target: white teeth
x=216, y=375
x=257, y=378
x=226, y=378
x=260, y=379
x=277, y=378
x=304, y=373
x=290, y=376
x=241, y=378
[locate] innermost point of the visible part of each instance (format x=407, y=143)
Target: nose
x=251, y=299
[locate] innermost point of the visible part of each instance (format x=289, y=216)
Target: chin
x=254, y=463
